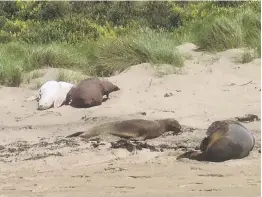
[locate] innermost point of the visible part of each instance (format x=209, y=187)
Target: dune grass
x=251, y=27
x=248, y=56
x=71, y=77
x=147, y=46
x=11, y=58
x=241, y=29
x=107, y=56
x=102, y=58
x=220, y=34
x=27, y=77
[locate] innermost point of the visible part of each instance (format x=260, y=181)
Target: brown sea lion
x=226, y=139
x=134, y=129
x=90, y=92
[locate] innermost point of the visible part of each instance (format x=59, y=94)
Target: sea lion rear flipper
x=193, y=155
x=75, y=134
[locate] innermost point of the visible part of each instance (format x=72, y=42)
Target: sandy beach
x=37, y=160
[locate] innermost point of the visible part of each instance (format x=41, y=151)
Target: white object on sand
x=52, y=94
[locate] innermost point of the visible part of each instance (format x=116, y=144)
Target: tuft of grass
x=188, y=56
x=37, y=74
x=71, y=77
x=147, y=46
x=166, y=69
x=33, y=75
x=37, y=85
x=251, y=27
x=220, y=34
x=49, y=56
x=11, y=56
x=10, y=76
x=247, y=57
x=242, y=28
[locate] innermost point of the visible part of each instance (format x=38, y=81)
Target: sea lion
x=51, y=94
x=226, y=139
x=90, y=92
x=133, y=129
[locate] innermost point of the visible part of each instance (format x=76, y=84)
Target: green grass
x=71, y=77
x=112, y=56
x=37, y=85
x=11, y=58
x=54, y=55
x=241, y=29
x=248, y=56
x=33, y=75
x=220, y=34
x=10, y=76
x=102, y=58
x=108, y=55
x=251, y=27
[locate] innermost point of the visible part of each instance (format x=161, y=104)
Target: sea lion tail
x=75, y=134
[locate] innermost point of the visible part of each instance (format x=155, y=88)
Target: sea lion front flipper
x=75, y=134
x=60, y=98
x=204, y=144
x=32, y=98
x=59, y=102
x=140, y=138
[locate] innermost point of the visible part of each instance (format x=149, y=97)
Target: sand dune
x=36, y=159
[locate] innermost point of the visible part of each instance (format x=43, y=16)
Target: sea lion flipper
x=140, y=138
x=75, y=134
x=59, y=101
x=204, y=144
x=32, y=98
x=193, y=155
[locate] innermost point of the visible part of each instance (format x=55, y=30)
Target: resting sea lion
x=51, y=94
x=227, y=139
x=134, y=129
x=90, y=92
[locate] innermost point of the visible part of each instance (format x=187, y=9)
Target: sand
x=37, y=160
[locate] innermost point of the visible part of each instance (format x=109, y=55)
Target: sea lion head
x=47, y=95
x=172, y=125
x=108, y=87
x=116, y=88
x=218, y=126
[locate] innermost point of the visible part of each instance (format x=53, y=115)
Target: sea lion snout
x=116, y=88
x=45, y=102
